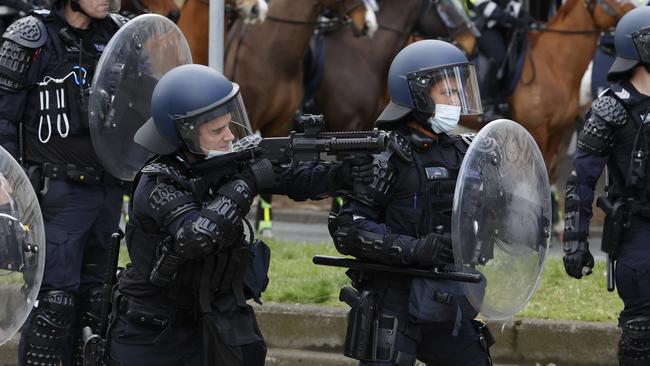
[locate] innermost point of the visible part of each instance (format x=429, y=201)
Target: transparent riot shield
x=22, y=246
x=501, y=218
x=139, y=54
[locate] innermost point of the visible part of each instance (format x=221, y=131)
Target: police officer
x=182, y=300
x=616, y=135
x=404, y=219
x=47, y=64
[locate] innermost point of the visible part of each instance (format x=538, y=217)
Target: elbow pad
x=219, y=223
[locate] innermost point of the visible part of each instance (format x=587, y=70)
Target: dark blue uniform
x=616, y=135
x=194, y=312
x=45, y=72
x=422, y=176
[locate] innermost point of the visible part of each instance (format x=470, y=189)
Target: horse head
x=251, y=10
x=606, y=13
x=167, y=8
x=361, y=14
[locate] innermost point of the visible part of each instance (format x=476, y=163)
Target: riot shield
x=139, y=54
x=22, y=246
x=501, y=218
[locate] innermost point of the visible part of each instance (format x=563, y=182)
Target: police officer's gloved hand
x=578, y=261
x=259, y=175
x=355, y=169
x=523, y=20
x=434, y=249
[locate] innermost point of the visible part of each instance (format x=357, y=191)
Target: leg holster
x=634, y=346
x=485, y=337
x=371, y=334
x=45, y=334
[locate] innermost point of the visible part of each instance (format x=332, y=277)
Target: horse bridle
x=339, y=20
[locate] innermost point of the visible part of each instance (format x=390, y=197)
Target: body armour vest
x=55, y=116
x=628, y=163
x=423, y=194
x=212, y=276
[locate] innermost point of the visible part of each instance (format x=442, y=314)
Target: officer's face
x=96, y=9
x=445, y=92
x=216, y=134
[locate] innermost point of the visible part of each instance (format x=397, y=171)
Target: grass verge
x=295, y=279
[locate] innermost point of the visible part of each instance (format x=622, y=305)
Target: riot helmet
x=632, y=42
x=434, y=80
x=196, y=108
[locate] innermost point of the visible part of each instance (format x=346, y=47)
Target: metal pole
x=215, y=37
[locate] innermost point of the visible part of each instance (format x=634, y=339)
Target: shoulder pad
x=28, y=32
x=166, y=172
x=610, y=110
x=118, y=19
x=400, y=146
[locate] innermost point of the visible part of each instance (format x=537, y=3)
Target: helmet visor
x=215, y=128
x=454, y=85
x=641, y=39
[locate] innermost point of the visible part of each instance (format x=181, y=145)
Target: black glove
x=579, y=262
x=259, y=175
x=354, y=169
x=434, y=249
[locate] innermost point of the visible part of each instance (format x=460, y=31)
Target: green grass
x=295, y=279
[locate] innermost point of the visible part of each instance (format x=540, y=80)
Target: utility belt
x=155, y=317
x=40, y=174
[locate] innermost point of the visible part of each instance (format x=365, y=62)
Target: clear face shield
x=641, y=39
x=213, y=130
x=452, y=85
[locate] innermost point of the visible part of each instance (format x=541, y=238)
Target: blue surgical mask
x=445, y=118
x=209, y=154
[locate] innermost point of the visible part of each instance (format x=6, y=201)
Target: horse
x=194, y=22
x=267, y=61
x=168, y=8
x=355, y=106
x=545, y=100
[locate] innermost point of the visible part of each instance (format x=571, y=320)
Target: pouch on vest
x=256, y=276
x=440, y=301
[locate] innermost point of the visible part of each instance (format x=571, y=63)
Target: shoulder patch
x=118, y=19
x=400, y=146
x=610, y=110
x=28, y=32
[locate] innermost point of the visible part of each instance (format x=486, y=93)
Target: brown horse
x=168, y=8
x=268, y=59
x=194, y=22
x=352, y=91
x=545, y=100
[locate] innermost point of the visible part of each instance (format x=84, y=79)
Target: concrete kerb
x=521, y=341
x=314, y=335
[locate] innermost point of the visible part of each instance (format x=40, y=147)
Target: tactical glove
x=578, y=261
x=354, y=169
x=435, y=249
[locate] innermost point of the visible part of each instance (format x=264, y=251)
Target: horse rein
x=591, y=8
x=332, y=23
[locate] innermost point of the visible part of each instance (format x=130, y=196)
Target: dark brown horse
x=194, y=22
x=352, y=91
x=267, y=61
x=167, y=8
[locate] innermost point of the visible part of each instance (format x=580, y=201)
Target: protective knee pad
x=89, y=307
x=45, y=334
x=634, y=346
